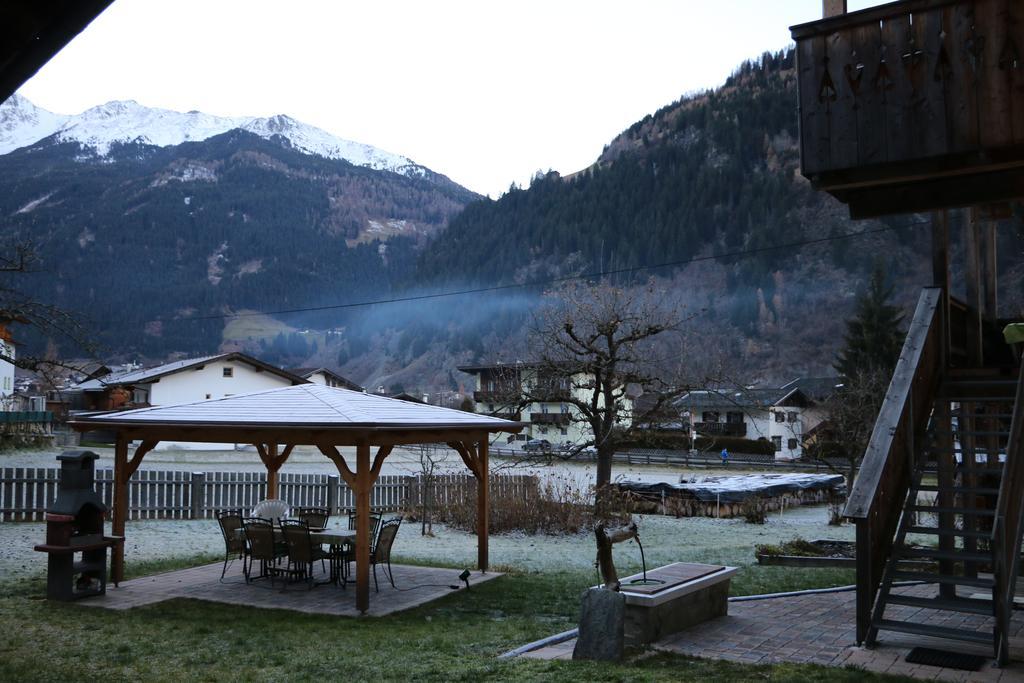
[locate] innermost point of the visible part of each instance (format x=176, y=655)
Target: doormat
x=948, y=660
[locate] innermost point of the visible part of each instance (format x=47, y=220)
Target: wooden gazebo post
x=123, y=471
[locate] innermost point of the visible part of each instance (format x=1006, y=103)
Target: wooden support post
x=832, y=8
x=975, y=304
x=946, y=463
x=196, y=484
x=362, y=492
x=120, y=506
x=990, y=297
x=271, y=470
x=483, y=506
x=940, y=274
x=333, y=485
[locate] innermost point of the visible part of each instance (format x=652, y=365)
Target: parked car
x=589, y=450
x=537, y=445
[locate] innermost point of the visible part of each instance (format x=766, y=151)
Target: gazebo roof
x=306, y=406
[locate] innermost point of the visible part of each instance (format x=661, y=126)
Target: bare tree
x=21, y=307
x=596, y=346
x=850, y=414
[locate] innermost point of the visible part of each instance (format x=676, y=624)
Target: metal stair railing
x=879, y=492
x=1008, y=526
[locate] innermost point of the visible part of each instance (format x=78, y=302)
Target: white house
x=185, y=381
x=502, y=388
x=781, y=415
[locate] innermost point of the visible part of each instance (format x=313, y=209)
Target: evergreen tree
x=873, y=335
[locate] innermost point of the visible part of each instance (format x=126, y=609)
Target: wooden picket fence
x=25, y=492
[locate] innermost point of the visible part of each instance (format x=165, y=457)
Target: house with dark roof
x=183, y=381
x=325, y=377
x=783, y=415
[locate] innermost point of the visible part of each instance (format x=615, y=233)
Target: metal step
x=936, y=554
x=933, y=631
x=936, y=531
x=966, y=605
x=947, y=579
x=954, y=510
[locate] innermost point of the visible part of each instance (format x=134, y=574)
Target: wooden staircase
x=939, y=498
x=949, y=510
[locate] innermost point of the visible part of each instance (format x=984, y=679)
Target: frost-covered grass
x=665, y=539
x=455, y=638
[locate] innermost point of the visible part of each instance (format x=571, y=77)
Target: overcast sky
x=485, y=92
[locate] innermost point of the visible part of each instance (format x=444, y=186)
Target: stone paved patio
x=819, y=628
x=415, y=586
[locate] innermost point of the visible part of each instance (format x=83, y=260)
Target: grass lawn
x=456, y=638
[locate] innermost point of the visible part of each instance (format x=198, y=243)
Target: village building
x=783, y=415
x=184, y=381
x=325, y=377
x=513, y=392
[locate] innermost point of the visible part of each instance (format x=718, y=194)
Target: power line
x=558, y=280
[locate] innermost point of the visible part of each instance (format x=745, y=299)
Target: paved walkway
x=415, y=586
x=820, y=628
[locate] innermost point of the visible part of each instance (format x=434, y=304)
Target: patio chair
x=349, y=553
x=235, y=547
x=259, y=533
x=315, y=517
x=273, y=509
x=302, y=551
x=374, y=524
x=380, y=553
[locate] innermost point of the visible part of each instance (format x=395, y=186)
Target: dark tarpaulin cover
x=737, y=488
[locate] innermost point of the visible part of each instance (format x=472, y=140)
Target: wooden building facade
x=918, y=106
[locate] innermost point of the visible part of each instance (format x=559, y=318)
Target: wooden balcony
x=509, y=395
x=557, y=419
x=721, y=428
x=914, y=105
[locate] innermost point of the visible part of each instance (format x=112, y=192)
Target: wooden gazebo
x=306, y=414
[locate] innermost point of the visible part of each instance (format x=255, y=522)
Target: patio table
x=335, y=537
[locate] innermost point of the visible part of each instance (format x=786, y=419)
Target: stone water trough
x=672, y=598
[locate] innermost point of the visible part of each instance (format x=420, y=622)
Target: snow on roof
x=305, y=405
x=149, y=374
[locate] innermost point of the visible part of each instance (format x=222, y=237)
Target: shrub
x=754, y=509
x=555, y=505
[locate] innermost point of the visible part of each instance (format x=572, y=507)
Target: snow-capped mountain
x=22, y=124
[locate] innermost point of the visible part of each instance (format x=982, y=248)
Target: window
x=709, y=416
x=734, y=417
x=544, y=408
x=543, y=430
x=208, y=396
x=780, y=416
x=565, y=409
x=565, y=432
x=777, y=442
x=791, y=416
x=229, y=372
x=791, y=444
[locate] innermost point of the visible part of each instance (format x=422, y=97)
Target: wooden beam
x=378, y=461
x=140, y=452
x=483, y=507
x=120, y=514
x=332, y=452
x=466, y=452
x=362, y=493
